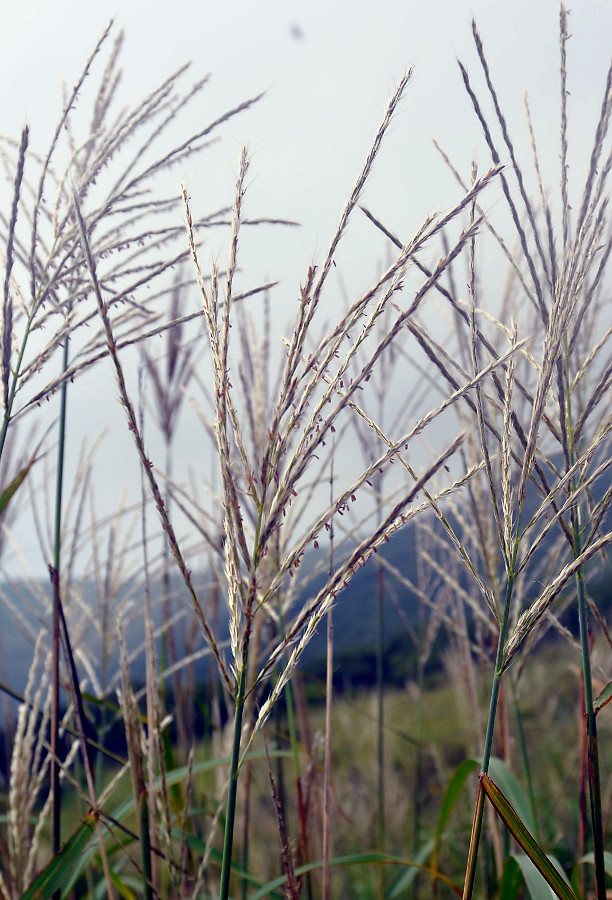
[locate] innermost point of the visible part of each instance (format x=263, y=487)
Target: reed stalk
x=56, y=796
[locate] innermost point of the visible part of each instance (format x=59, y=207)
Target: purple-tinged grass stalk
x=79, y=717
x=135, y=742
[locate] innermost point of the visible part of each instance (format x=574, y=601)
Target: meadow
x=446, y=428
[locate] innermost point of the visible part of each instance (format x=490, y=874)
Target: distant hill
x=354, y=618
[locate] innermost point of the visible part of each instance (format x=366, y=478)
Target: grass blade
x=56, y=872
x=355, y=859
x=453, y=790
x=525, y=839
x=15, y=484
x=603, y=698
x=538, y=889
x=511, y=880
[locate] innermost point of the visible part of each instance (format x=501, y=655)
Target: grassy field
x=459, y=403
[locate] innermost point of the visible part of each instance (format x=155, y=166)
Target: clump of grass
x=556, y=435
x=520, y=401
x=258, y=488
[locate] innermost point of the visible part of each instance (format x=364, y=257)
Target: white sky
x=326, y=92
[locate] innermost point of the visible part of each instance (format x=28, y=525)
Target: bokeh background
x=327, y=69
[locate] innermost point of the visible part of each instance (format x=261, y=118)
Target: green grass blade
x=216, y=859
x=453, y=790
x=127, y=806
x=404, y=882
x=15, y=484
x=355, y=859
x=537, y=887
x=604, y=697
x=511, y=881
x=507, y=781
x=589, y=858
x=525, y=840
x=124, y=890
x=180, y=774
x=56, y=872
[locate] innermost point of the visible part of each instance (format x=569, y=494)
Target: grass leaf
x=406, y=878
x=604, y=698
x=526, y=840
x=509, y=784
x=55, y=873
x=355, y=859
x=16, y=483
x=511, y=881
x=453, y=790
x=537, y=887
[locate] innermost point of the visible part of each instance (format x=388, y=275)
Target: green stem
x=228, y=839
x=488, y=744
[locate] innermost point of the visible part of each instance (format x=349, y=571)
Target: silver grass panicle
x=128, y=228
x=310, y=618
x=314, y=286
x=531, y=617
x=475, y=353
x=29, y=767
x=7, y=305
x=393, y=452
x=136, y=335
x=317, y=390
x=565, y=207
x=147, y=465
x=562, y=309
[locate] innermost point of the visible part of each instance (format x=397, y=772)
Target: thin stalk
x=380, y=725
x=592, y=743
x=245, y=828
x=418, y=768
x=56, y=797
x=329, y=682
x=592, y=752
x=295, y=755
x=230, y=817
x=56, y=829
x=145, y=846
x=488, y=744
x=329, y=693
x=591, y=723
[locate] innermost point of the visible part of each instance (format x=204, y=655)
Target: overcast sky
x=328, y=67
